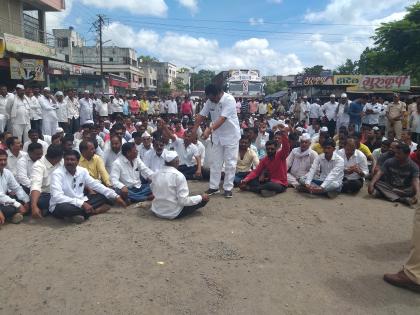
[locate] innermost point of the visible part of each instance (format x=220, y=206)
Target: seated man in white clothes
x=355, y=167
x=154, y=157
x=10, y=208
x=25, y=165
x=14, y=153
x=125, y=175
x=330, y=167
x=68, y=200
x=189, y=157
x=33, y=136
x=300, y=160
x=146, y=145
x=170, y=189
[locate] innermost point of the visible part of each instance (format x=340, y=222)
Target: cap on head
x=47, y=89
x=324, y=129
x=305, y=137
x=169, y=156
x=332, y=96
x=59, y=93
x=344, y=95
x=20, y=86
x=145, y=135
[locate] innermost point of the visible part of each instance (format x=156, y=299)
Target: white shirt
x=48, y=109
x=202, y=151
x=3, y=104
x=153, y=161
x=186, y=154
x=172, y=107
x=124, y=174
x=101, y=108
x=315, y=111
x=359, y=159
x=382, y=114
x=229, y=132
x=24, y=171
x=330, y=110
x=41, y=175
x=86, y=110
x=142, y=150
x=9, y=184
x=20, y=110
x=171, y=193
x=12, y=161
x=66, y=188
x=413, y=146
x=117, y=105
x=262, y=108
x=330, y=172
x=110, y=157
x=36, y=110
x=73, y=107
x=372, y=119
x=299, y=163
x=62, y=112
x=304, y=110
x=342, y=114
x=43, y=143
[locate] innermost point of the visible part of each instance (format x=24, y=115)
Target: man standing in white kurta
x=225, y=133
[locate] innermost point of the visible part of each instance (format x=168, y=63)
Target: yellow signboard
x=27, y=69
x=2, y=47
x=22, y=45
x=347, y=79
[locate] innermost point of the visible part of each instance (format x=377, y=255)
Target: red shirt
x=414, y=158
x=277, y=167
x=186, y=108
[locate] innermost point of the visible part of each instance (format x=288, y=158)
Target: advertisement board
x=27, y=69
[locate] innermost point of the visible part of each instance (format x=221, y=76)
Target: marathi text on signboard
x=22, y=45
x=344, y=79
x=27, y=69
x=384, y=83
x=314, y=80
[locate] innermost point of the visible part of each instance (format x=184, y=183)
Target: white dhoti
x=20, y=131
x=3, y=122
x=49, y=127
x=292, y=180
x=227, y=154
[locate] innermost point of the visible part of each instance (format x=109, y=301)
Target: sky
x=274, y=36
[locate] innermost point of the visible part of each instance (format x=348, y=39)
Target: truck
x=242, y=83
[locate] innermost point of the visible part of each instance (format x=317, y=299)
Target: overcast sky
x=274, y=36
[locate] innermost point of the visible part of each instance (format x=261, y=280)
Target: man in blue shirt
x=356, y=112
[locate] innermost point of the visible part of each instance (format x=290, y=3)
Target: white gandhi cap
x=169, y=156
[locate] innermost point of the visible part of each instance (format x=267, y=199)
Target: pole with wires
x=98, y=25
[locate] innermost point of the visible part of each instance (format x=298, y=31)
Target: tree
x=201, y=79
x=179, y=85
x=349, y=67
x=274, y=86
x=148, y=59
x=164, y=89
x=397, y=47
x=315, y=70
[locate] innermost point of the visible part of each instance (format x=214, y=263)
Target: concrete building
x=66, y=41
x=25, y=46
x=150, y=79
x=166, y=73
x=185, y=75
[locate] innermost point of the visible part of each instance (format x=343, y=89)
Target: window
x=111, y=59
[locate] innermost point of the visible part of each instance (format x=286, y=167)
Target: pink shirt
x=186, y=108
x=253, y=106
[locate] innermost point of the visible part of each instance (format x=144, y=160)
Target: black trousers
x=256, y=186
x=36, y=124
x=8, y=211
x=191, y=209
x=331, y=127
x=352, y=186
x=188, y=171
x=74, y=125
x=63, y=210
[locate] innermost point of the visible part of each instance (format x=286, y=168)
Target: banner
x=344, y=79
x=22, y=45
x=70, y=68
x=313, y=80
x=385, y=83
x=27, y=69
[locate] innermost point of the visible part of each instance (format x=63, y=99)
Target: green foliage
x=274, y=86
x=164, y=89
x=179, y=85
x=147, y=59
x=349, y=67
x=201, y=79
x=315, y=70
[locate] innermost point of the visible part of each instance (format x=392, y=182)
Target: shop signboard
x=382, y=83
x=27, y=69
x=344, y=79
x=25, y=46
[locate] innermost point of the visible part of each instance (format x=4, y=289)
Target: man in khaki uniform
x=394, y=114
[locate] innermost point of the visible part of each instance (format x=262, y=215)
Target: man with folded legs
x=10, y=208
x=270, y=176
x=68, y=183
x=170, y=189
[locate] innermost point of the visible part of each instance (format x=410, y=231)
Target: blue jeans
x=188, y=171
x=44, y=203
x=238, y=177
x=139, y=194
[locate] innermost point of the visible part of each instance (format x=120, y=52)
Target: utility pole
x=98, y=25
